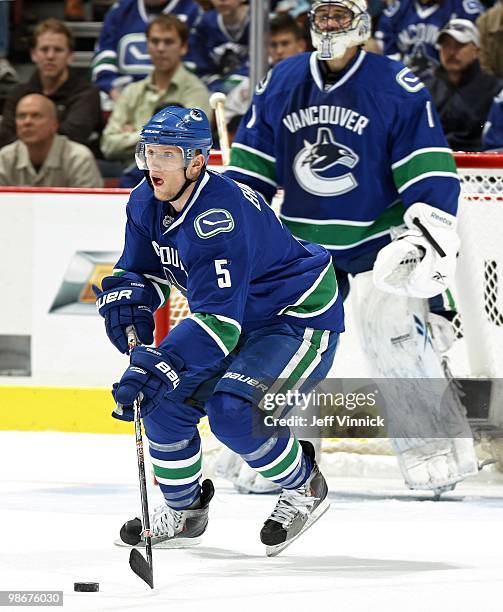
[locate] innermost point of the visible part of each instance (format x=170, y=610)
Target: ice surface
x=378, y=548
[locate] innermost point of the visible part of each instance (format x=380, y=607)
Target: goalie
x=355, y=141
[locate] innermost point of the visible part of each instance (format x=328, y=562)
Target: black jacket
x=77, y=102
x=463, y=108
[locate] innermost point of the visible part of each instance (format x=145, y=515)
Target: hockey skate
x=171, y=528
x=297, y=509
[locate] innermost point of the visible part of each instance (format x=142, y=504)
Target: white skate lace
x=165, y=521
x=290, y=503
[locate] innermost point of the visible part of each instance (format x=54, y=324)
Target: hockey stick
x=217, y=101
x=143, y=569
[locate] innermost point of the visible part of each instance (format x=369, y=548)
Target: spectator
x=121, y=55
x=42, y=158
x=407, y=30
x=170, y=83
x=490, y=26
x=74, y=10
x=7, y=72
x=285, y=39
x=76, y=100
x=219, y=45
x=461, y=91
x=492, y=136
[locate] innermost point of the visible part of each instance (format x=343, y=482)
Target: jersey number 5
x=223, y=275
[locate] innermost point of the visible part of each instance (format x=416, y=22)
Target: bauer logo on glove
x=113, y=296
x=124, y=301
x=147, y=377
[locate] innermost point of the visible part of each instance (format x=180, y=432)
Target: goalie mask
x=338, y=25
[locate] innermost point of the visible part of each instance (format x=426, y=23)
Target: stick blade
x=141, y=568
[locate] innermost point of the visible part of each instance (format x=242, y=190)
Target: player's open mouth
x=157, y=181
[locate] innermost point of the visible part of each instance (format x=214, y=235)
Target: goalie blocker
x=421, y=262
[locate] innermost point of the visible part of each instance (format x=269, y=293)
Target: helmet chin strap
x=184, y=187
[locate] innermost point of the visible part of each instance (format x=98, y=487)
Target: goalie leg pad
x=430, y=431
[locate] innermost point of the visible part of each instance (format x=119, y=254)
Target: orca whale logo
x=315, y=159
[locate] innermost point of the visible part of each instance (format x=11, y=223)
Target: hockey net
x=478, y=351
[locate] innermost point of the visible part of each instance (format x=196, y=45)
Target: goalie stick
x=141, y=567
x=217, y=102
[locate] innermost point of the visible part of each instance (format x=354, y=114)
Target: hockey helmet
x=188, y=129
x=337, y=25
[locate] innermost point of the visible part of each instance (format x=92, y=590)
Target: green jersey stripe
x=290, y=468
x=223, y=330
x=424, y=163
x=318, y=298
x=311, y=353
x=289, y=460
x=340, y=235
x=163, y=290
x=252, y=161
x=178, y=473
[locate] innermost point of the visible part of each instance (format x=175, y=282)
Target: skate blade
x=273, y=551
x=172, y=543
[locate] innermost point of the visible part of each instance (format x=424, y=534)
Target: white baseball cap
x=462, y=30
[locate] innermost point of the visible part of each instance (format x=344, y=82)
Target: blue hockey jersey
x=349, y=156
x=492, y=136
x=219, y=57
x=407, y=28
x=240, y=268
x=121, y=54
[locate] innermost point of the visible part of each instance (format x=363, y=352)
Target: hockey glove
x=127, y=300
x=152, y=374
x=421, y=262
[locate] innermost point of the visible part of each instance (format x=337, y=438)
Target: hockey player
x=356, y=143
x=264, y=307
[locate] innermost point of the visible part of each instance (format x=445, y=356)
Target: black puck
x=86, y=587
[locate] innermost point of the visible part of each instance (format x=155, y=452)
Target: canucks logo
x=213, y=222
x=133, y=56
x=317, y=167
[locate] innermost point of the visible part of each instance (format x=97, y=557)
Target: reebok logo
x=438, y=276
x=443, y=220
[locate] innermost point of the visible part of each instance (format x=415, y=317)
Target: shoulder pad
x=409, y=81
x=212, y=222
x=263, y=83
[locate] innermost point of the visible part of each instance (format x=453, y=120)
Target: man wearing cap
x=407, y=30
x=461, y=90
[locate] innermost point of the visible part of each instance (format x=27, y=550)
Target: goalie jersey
x=239, y=267
x=350, y=156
